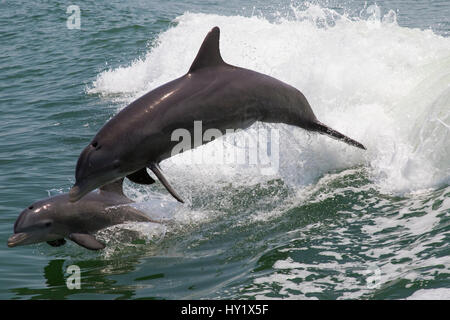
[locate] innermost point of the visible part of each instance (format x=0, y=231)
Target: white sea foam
x=431, y=294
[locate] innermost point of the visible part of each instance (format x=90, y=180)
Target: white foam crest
x=384, y=85
x=431, y=294
x=124, y=235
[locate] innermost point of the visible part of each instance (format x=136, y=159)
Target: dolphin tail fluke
x=158, y=173
x=324, y=129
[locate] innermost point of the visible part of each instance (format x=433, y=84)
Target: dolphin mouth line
x=17, y=239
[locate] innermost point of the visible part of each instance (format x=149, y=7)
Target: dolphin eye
x=96, y=145
x=48, y=224
x=116, y=164
x=30, y=207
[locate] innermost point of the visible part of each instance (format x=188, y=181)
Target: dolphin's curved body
x=220, y=95
x=55, y=218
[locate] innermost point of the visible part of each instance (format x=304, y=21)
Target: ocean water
x=333, y=222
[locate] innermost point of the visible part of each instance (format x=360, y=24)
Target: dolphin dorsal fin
x=209, y=53
x=116, y=187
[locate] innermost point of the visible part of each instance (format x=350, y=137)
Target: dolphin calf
x=53, y=219
x=220, y=95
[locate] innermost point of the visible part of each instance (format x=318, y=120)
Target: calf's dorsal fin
x=115, y=187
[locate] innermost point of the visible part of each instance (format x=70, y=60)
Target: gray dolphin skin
x=53, y=219
x=220, y=95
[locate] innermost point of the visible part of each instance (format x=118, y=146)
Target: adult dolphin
x=55, y=218
x=220, y=95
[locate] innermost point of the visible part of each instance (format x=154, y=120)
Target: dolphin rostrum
x=220, y=95
x=55, y=218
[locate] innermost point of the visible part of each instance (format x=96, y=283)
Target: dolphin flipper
x=87, y=241
x=141, y=177
x=163, y=180
x=57, y=243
